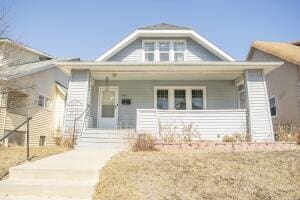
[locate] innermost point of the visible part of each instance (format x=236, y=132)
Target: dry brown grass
x=201, y=175
x=15, y=155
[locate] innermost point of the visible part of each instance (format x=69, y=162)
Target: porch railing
x=200, y=124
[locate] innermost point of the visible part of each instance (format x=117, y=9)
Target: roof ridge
x=164, y=26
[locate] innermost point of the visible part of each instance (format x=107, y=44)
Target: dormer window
x=179, y=49
x=149, y=51
x=164, y=51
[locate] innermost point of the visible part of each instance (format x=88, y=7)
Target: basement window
x=42, y=141
x=273, y=110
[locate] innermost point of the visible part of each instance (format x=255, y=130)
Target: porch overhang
x=167, y=70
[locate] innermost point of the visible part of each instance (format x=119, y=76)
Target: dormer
x=164, y=43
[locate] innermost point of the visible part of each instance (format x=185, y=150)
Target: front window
x=149, y=51
x=197, y=99
x=163, y=99
x=272, y=103
x=179, y=99
x=164, y=51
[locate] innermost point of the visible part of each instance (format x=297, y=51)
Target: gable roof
x=25, y=47
x=164, y=26
x=166, y=30
x=286, y=51
x=17, y=71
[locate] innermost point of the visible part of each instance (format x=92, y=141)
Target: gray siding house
x=164, y=79
x=283, y=83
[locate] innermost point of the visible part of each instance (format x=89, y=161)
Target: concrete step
x=112, y=131
x=103, y=145
x=104, y=135
x=17, y=173
x=65, y=189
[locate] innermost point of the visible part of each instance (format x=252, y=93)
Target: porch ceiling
x=165, y=76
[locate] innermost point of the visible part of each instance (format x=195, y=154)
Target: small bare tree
x=11, y=56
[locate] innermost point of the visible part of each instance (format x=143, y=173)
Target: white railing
x=201, y=124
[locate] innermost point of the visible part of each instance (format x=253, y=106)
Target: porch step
x=105, y=138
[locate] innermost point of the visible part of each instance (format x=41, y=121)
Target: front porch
x=205, y=101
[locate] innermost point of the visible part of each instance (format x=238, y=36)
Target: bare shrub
x=67, y=142
x=236, y=137
x=287, y=133
x=144, y=142
x=58, y=140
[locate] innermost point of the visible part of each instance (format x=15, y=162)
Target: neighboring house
x=166, y=79
x=31, y=85
x=283, y=83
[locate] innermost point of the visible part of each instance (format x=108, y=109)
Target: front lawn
x=16, y=155
x=201, y=175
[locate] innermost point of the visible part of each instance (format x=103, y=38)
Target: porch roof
x=168, y=70
x=203, y=66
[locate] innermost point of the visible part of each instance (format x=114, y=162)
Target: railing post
x=27, y=146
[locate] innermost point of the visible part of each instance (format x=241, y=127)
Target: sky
x=86, y=29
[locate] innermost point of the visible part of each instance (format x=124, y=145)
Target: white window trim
x=276, y=107
x=45, y=97
x=156, y=49
x=188, y=95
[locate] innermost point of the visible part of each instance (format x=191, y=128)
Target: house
x=283, y=83
x=165, y=79
x=31, y=86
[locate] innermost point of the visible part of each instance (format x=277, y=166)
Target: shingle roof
x=164, y=26
x=7, y=40
x=297, y=43
x=286, y=51
x=12, y=72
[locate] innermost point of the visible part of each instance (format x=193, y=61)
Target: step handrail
x=78, y=118
x=27, y=134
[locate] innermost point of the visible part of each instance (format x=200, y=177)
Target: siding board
x=133, y=51
x=204, y=125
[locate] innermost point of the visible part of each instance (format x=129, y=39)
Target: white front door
x=108, y=107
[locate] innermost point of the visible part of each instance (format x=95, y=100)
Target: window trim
x=44, y=102
x=156, y=50
x=276, y=106
x=144, y=52
x=188, y=92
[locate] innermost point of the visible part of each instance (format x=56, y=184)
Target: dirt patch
x=190, y=174
x=13, y=156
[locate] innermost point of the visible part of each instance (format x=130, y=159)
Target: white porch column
x=78, y=99
x=259, y=117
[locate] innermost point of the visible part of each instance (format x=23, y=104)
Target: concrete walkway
x=70, y=175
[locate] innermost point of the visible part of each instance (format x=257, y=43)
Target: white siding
x=258, y=104
x=220, y=95
x=200, y=124
x=133, y=51
x=283, y=83
x=77, y=99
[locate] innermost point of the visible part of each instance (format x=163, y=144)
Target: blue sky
x=86, y=29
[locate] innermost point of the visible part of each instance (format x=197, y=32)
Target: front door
x=108, y=107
